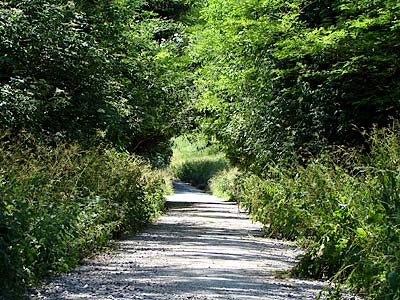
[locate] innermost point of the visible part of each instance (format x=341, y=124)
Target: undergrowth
x=60, y=204
x=343, y=207
x=196, y=161
x=223, y=184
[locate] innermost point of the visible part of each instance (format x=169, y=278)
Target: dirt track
x=202, y=249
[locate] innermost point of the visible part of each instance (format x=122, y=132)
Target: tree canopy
x=273, y=82
x=91, y=70
x=276, y=77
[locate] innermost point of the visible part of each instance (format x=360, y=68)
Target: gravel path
x=202, y=249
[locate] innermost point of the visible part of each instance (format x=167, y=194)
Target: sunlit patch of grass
x=196, y=161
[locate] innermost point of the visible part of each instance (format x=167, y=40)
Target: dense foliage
x=281, y=77
x=224, y=184
x=291, y=90
x=62, y=203
x=196, y=160
x=90, y=70
x=82, y=83
x=343, y=207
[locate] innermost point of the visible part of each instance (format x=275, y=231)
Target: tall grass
x=195, y=161
x=344, y=208
x=59, y=204
x=223, y=184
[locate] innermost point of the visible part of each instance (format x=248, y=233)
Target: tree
x=89, y=70
x=277, y=78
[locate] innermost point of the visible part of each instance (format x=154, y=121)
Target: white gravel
x=202, y=249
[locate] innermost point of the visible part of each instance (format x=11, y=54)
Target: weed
x=195, y=161
x=344, y=207
x=59, y=204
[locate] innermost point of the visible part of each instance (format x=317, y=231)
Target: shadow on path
x=201, y=249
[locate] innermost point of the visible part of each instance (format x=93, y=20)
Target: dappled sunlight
x=203, y=249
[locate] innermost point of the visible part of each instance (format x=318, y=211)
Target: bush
x=223, y=184
x=198, y=171
x=346, y=215
x=61, y=204
x=195, y=161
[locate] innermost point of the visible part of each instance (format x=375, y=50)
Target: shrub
x=61, y=204
x=344, y=208
x=198, y=171
x=223, y=184
x=195, y=161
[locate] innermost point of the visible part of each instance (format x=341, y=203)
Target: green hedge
x=61, y=204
